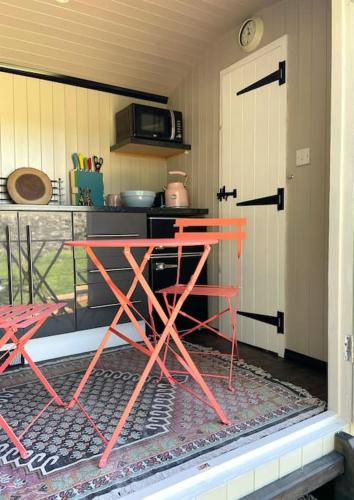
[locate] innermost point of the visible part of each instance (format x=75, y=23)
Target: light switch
x=302, y=157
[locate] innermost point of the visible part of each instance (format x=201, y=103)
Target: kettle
x=176, y=194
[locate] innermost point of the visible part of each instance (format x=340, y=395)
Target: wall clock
x=251, y=33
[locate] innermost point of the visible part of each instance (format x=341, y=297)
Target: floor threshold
x=217, y=472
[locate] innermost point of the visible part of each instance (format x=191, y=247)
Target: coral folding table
x=12, y=319
x=152, y=351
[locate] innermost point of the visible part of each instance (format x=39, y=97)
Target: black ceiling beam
x=86, y=84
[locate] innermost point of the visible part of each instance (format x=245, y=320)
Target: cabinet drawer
x=85, y=266
x=99, y=226
x=96, y=316
x=98, y=292
x=86, y=272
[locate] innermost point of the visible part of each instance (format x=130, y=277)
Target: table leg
x=170, y=321
x=168, y=330
x=125, y=303
x=124, y=307
x=133, y=398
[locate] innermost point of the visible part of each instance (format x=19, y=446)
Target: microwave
x=148, y=122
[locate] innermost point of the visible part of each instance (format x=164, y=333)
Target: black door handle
x=222, y=194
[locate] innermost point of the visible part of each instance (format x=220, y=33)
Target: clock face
x=250, y=33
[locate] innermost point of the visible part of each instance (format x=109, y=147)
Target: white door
x=253, y=160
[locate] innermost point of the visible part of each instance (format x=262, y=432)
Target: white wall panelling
x=43, y=123
x=307, y=24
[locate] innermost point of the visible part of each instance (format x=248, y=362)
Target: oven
x=163, y=271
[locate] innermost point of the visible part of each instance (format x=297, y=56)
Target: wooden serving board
x=29, y=186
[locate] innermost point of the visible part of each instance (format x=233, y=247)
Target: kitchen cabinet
x=96, y=305
x=35, y=266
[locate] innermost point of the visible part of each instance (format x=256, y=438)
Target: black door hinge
x=277, y=320
x=277, y=76
x=276, y=199
x=223, y=194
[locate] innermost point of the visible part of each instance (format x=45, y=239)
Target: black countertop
x=73, y=208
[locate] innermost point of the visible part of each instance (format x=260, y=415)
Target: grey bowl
x=142, y=199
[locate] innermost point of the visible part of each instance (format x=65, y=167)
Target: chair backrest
x=238, y=235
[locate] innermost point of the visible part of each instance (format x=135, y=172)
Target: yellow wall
x=43, y=123
x=307, y=23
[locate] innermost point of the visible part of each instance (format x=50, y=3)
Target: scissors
x=98, y=162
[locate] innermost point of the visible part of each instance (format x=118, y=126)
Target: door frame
x=340, y=257
x=281, y=42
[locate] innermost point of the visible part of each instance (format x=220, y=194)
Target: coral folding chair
x=229, y=292
x=26, y=319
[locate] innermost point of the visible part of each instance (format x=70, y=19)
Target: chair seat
x=210, y=290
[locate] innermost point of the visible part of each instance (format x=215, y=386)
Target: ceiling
x=147, y=45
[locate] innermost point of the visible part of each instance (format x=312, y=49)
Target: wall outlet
x=302, y=157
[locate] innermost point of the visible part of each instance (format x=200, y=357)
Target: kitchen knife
x=75, y=159
x=81, y=161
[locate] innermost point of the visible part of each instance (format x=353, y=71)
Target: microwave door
x=153, y=123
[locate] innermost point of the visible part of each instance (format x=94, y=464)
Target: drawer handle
x=111, y=269
x=161, y=266
x=129, y=235
x=113, y=304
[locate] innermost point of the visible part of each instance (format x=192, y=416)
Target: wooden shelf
x=146, y=148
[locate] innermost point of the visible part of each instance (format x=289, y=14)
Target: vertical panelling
x=306, y=23
x=104, y=121
x=7, y=124
x=20, y=121
x=93, y=122
x=82, y=121
x=47, y=138
x=34, y=123
x=59, y=152
x=70, y=124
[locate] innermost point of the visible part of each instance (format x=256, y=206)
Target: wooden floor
x=312, y=379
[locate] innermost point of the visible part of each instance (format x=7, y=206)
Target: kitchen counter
x=73, y=208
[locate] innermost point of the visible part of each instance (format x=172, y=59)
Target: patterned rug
x=167, y=431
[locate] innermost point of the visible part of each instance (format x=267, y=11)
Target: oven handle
x=173, y=126
x=161, y=266
x=9, y=264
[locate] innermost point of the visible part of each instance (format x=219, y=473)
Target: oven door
x=154, y=123
x=163, y=273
